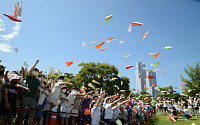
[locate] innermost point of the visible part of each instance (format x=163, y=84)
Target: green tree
x=55, y=74
x=69, y=75
x=96, y=71
x=171, y=93
x=158, y=89
x=193, y=81
x=51, y=71
x=175, y=96
x=143, y=96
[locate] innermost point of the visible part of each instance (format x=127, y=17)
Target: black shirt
x=174, y=113
x=12, y=94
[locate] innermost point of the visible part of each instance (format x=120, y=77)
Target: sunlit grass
x=163, y=120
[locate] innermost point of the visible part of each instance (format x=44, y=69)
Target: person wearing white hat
x=9, y=99
x=109, y=110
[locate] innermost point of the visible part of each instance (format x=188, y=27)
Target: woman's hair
x=92, y=105
x=36, y=69
x=186, y=105
x=108, y=99
x=174, y=108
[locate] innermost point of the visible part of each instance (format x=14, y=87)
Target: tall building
x=151, y=83
x=182, y=86
x=140, y=76
x=142, y=73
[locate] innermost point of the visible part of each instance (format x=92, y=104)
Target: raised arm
x=6, y=75
x=123, y=102
x=129, y=95
x=79, y=94
x=113, y=96
x=23, y=72
x=96, y=91
x=99, y=99
x=115, y=102
x=48, y=77
x=66, y=83
x=27, y=89
x=90, y=92
x=30, y=71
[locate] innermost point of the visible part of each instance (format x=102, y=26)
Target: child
x=187, y=113
x=67, y=103
x=196, y=106
x=109, y=111
x=96, y=111
x=9, y=100
x=64, y=99
x=56, y=91
x=165, y=106
x=177, y=107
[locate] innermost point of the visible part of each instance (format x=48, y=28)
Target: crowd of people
x=27, y=99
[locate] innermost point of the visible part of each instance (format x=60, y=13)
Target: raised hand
x=22, y=68
x=37, y=61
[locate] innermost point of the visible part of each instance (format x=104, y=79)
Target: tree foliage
x=170, y=93
x=96, y=71
x=193, y=81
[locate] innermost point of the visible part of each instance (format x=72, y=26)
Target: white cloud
x=1, y=21
x=15, y=33
x=2, y=28
x=4, y=47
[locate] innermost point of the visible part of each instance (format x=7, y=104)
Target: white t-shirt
x=195, y=104
x=96, y=112
x=157, y=104
x=41, y=98
x=108, y=112
x=177, y=107
x=169, y=103
x=165, y=104
x=70, y=98
x=188, y=111
x=116, y=112
x=190, y=101
x=179, y=103
x=56, y=93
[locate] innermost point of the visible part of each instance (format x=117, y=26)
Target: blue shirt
x=147, y=107
x=129, y=111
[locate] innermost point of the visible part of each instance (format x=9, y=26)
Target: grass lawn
x=163, y=120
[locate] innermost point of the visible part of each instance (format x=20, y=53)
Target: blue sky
x=53, y=32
